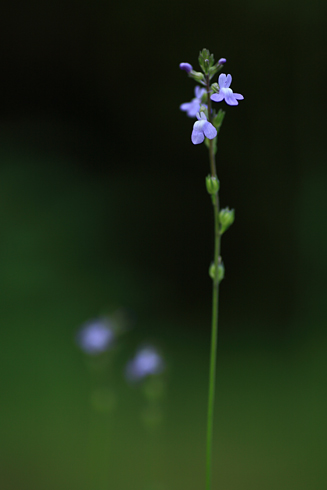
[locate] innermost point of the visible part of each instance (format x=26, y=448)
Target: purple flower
x=95, y=336
x=222, y=61
x=225, y=92
x=202, y=128
x=147, y=361
x=191, y=108
x=186, y=67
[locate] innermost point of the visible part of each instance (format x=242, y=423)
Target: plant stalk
x=213, y=348
x=214, y=325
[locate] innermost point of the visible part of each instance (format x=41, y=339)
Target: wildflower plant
x=206, y=130
x=147, y=370
x=97, y=340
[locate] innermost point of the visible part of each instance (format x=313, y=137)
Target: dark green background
x=103, y=206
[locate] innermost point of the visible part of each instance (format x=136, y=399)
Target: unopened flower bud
x=222, y=61
x=212, y=184
x=197, y=75
x=215, y=87
x=226, y=219
x=221, y=270
x=186, y=67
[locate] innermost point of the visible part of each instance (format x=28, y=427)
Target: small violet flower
x=147, y=361
x=186, y=67
x=222, y=61
x=191, y=108
x=202, y=128
x=95, y=336
x=225, y=92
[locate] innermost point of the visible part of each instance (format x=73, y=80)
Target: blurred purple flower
x=95, y=336
x=225, y=92
x=191, y=108
x=222, y=61
x=146, y=362
x=186, y=67
x=202, y=128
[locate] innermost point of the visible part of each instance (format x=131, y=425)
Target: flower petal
x=194, y=108
x=199, y=91
x=238, y=96
x=216, y=97
x=197, y=137
x=222, y=80
x=230, y=99
x=203, y=116
x=210, y=131
x=191, y=107
x=228, y=80
x=185, y=106
x=198, y=125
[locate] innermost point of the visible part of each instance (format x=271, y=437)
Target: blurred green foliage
x=61, y=264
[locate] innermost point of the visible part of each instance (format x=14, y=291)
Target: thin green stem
x=211, y=152
x=214, y=327
x=213, y=349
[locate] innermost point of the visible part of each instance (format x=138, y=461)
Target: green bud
x=215, y=88
x=226, y=219
x=221, y=270
x=197, y=76
x=206, y=61
x=212, y=184
x=212, y=270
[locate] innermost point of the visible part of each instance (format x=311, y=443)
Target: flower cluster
x=208, y=124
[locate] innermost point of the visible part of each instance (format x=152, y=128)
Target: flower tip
x=222, y=61
x=186, y=67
